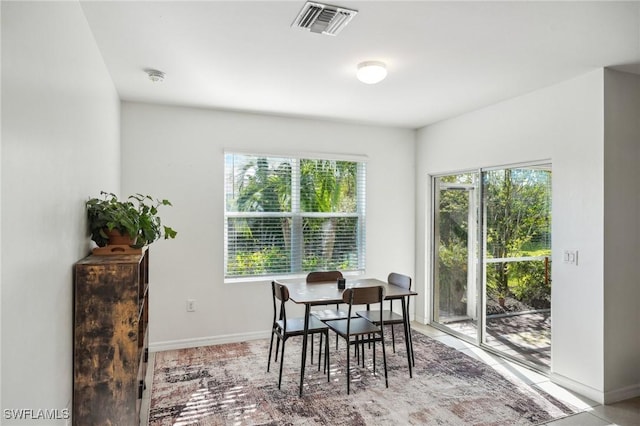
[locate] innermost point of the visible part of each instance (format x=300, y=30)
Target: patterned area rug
x=229, y=385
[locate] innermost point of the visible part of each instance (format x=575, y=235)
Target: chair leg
x=281, y=362
x=312, y=337
x=319, y=349
x=327, y=363
x=349, y=368
x=393, y=339
x=374, y=357
x=413, y=357
x=384, y=361
x=270, y=350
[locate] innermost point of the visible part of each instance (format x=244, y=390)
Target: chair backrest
x=363, y=295
x=323, y=276
x=280, y=293
x=400, y=280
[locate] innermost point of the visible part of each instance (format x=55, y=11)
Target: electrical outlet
x=191, y=305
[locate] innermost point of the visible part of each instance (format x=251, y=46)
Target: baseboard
x=577, y=387
x=622, y=394
x=206, y=341
x=421, y=319
x=600, y=397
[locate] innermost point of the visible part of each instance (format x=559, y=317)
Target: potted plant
x=136, y=218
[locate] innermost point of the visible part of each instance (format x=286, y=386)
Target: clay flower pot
x=119, y=239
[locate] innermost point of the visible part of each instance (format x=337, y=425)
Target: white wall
x=563, y=123
x=60, y=145
x=177, y=153
x=0, y=210
x=622, y=235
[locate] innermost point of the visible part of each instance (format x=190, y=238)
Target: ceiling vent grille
x=323, y=18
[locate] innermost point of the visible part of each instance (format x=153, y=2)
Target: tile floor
x=625, y=413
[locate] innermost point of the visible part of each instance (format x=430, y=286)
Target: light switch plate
x=570, y=257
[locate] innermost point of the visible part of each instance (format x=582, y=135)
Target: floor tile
x=453, y=342
x=519, y=372
x=570, y=398
x=483, y=356
x=427, y=330
x=620, y=413
x=581, y=419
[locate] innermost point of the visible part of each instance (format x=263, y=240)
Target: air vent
x=323, y=18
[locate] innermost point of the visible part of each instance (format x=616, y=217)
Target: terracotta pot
x=116, y=238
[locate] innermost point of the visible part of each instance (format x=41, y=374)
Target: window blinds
x=287, y=215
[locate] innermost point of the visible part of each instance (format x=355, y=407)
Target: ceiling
x=444, y=58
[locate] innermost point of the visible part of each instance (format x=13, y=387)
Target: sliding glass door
x=491, y=259
x=455, y=288
x=517, y=262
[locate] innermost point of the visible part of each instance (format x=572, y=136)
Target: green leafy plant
x=137, y=217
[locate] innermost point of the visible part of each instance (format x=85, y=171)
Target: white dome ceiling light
x=371, y=72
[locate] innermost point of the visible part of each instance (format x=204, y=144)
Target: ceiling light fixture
x=155, y=75
x=371, y=72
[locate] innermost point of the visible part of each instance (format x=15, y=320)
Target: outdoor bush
x=528, y=284
x=453, y=278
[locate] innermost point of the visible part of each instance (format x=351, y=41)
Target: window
x=287, y=215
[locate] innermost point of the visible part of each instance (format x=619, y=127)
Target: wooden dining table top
x=328, y=292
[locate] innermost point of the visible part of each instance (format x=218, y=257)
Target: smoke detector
x=323, y=18
x=156, y=76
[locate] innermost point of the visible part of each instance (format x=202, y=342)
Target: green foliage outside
x=453, y=253
x=517, y=217
x=257, y=263
x=528, y=284
x=518, y=225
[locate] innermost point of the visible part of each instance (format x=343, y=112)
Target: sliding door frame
x=480, y=285
x=478, y=264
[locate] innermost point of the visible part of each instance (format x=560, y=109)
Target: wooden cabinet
x=111, y=313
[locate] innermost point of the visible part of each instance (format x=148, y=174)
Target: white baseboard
x=598, y=396
x=206, y=341
x=580, y=388
x=421, y=319
x=621, y=394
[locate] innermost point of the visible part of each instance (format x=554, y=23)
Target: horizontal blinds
x=293, y=215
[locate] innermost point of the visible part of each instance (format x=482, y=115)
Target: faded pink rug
x=229, y=385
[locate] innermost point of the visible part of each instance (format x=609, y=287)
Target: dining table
x=327, y=293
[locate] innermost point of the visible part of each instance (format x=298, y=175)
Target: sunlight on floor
x=201, y=405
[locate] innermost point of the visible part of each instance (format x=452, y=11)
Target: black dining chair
x=326, y=313
x=284, y=327
x=392, y=318
x=357, y=330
